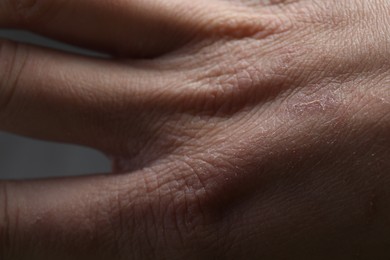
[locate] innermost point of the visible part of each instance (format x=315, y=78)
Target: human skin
x=239, y=129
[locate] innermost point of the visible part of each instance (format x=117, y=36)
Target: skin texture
x=239, y=129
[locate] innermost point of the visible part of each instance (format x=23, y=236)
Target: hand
x=248, y=130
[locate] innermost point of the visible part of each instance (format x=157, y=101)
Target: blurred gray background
x=26, y=158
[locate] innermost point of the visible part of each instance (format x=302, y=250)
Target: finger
x=74, y=218
x=135, y=28
x=69, y=98
x=129, y=216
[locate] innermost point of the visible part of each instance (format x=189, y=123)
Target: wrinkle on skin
x=254, y=141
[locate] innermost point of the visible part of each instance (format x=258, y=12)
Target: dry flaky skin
x=259, y=130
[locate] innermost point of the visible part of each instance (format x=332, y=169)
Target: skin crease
x=240, y=129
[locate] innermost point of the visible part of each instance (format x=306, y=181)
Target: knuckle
x=239, y=21
x=174, y=211
x=190, y=209
x=242, y=81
